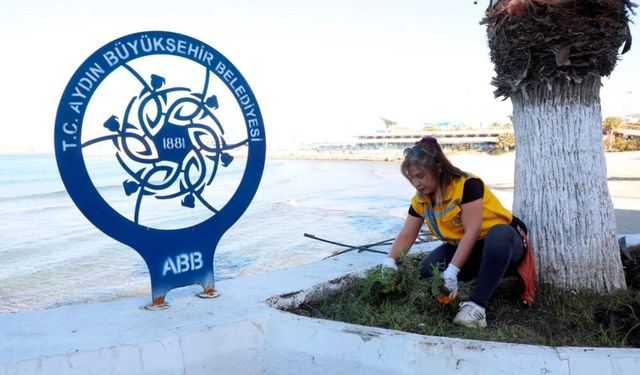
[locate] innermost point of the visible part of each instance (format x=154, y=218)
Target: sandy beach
x=623, y=171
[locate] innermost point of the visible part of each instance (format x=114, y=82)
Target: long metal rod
x=351, y=248
x=359, y=248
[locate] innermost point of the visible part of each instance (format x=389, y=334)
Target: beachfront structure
x=628, y=131
x=471, y=138
x=466, y=138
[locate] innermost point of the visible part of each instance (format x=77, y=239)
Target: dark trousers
x=489, y=260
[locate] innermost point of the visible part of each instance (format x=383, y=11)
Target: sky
x=320, y=70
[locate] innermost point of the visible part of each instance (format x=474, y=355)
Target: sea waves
x=50, y=255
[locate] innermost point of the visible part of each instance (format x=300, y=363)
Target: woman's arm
x=406, y=237
x=472, y=222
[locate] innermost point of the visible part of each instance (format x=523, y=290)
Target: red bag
x=527, y=270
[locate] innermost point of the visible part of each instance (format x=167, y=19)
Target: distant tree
x=626, y=144
x=609, y=125
x=549, y=57
x=506, y=141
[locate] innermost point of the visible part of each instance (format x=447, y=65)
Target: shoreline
x=386, y=154
x=497, y=171
x=392, y=155
x=342, y=155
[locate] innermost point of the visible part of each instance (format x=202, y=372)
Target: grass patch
x=402, y=301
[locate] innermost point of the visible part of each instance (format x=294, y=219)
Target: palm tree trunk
x=565, y=198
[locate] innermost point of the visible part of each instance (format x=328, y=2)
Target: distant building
x=632, y=118
x=628, y=131
x=396, y=136
x=466, y=138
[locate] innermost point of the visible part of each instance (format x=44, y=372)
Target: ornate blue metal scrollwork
x=173, y=144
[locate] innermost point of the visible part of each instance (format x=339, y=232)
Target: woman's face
x=422, y=179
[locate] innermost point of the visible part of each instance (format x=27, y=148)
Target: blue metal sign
x=160, y=143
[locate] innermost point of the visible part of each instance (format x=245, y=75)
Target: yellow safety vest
x=445, y=220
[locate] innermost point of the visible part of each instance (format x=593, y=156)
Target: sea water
x=51, y=255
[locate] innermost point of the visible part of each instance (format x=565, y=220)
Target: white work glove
x=450, y=276
x=389, y=263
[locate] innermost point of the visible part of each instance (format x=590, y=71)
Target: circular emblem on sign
x=161, y=129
